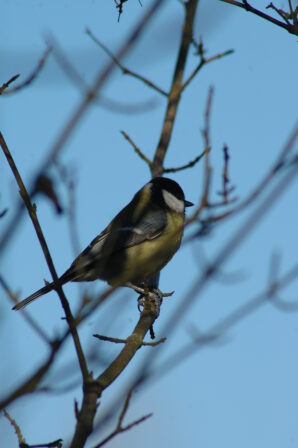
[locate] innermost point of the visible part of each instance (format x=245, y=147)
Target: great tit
x=137, y=243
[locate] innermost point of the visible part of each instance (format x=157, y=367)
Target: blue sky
x=241, y=391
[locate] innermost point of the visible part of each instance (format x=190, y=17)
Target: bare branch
x=30, y=384
x=39, y=330
x=190, y=164
x=175, y=90
x=31, y=77
x=291, y=28
x=204, y=61
x=7, y=83
x=137, y=149
x=33, y=216
x=109, y=104
x=119, y=428
x=226, y=189
x=123, y=341
x=280, y=12
x=207, y=168
x=125, y=70
x=94, y=388
x=21, y=439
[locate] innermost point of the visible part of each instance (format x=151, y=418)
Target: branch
x=226, y=189
x=119, y=428
x=7, y=83
x=207, y=168
x=137, y=150
x=204, y=61
x=187, y=165
x=175, y=90
x=292, y=29
x=32, y=213
x=32, y=382
x=123, y=341
x=125, y=71
x=267, y=179
x=30, y=78
x=100, y=100
x=39, y=330
x=94, y=388
x=21, y=439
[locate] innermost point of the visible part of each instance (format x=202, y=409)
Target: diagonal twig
x=137, y=149
x=39, y=330
x=119, y=428
x=32, y=76
x=6, y=84
x=292, y=29
x=115, y=106
x=32, y=213
x=124, y=69
x=204, y=61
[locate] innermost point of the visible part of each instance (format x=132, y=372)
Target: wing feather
x=111, y=242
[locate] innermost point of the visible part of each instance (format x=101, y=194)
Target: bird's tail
x=35, y=295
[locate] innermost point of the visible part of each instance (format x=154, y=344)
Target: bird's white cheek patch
x=172, y=202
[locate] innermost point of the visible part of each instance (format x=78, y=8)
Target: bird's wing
x=109, y=243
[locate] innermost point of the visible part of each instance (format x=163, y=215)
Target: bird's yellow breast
x=149, y=257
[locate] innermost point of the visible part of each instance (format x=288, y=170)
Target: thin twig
x=119, y=428
x=32, y=76
x=137, y=149
x=123, y=341
x=39, y=330
x=188, y=165
x=21, y=439
x=32, y=213
x=56, y=444
x=7, y=83
x=274, y=287
x=280, y=12
x=125, y=70
x=109, y=104
x=226, y=189
x=207, y=168
x=30, y=384
x=204, y=61
x=267, y=179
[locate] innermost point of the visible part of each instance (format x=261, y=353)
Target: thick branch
x=94, y=388
x=175, y=90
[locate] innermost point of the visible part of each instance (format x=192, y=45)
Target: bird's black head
x=170, y=193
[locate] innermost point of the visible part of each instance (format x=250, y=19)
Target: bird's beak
x=188, y=203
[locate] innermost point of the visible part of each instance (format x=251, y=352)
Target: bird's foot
x=154, y=295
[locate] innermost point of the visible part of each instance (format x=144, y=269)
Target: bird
x=134, y=247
